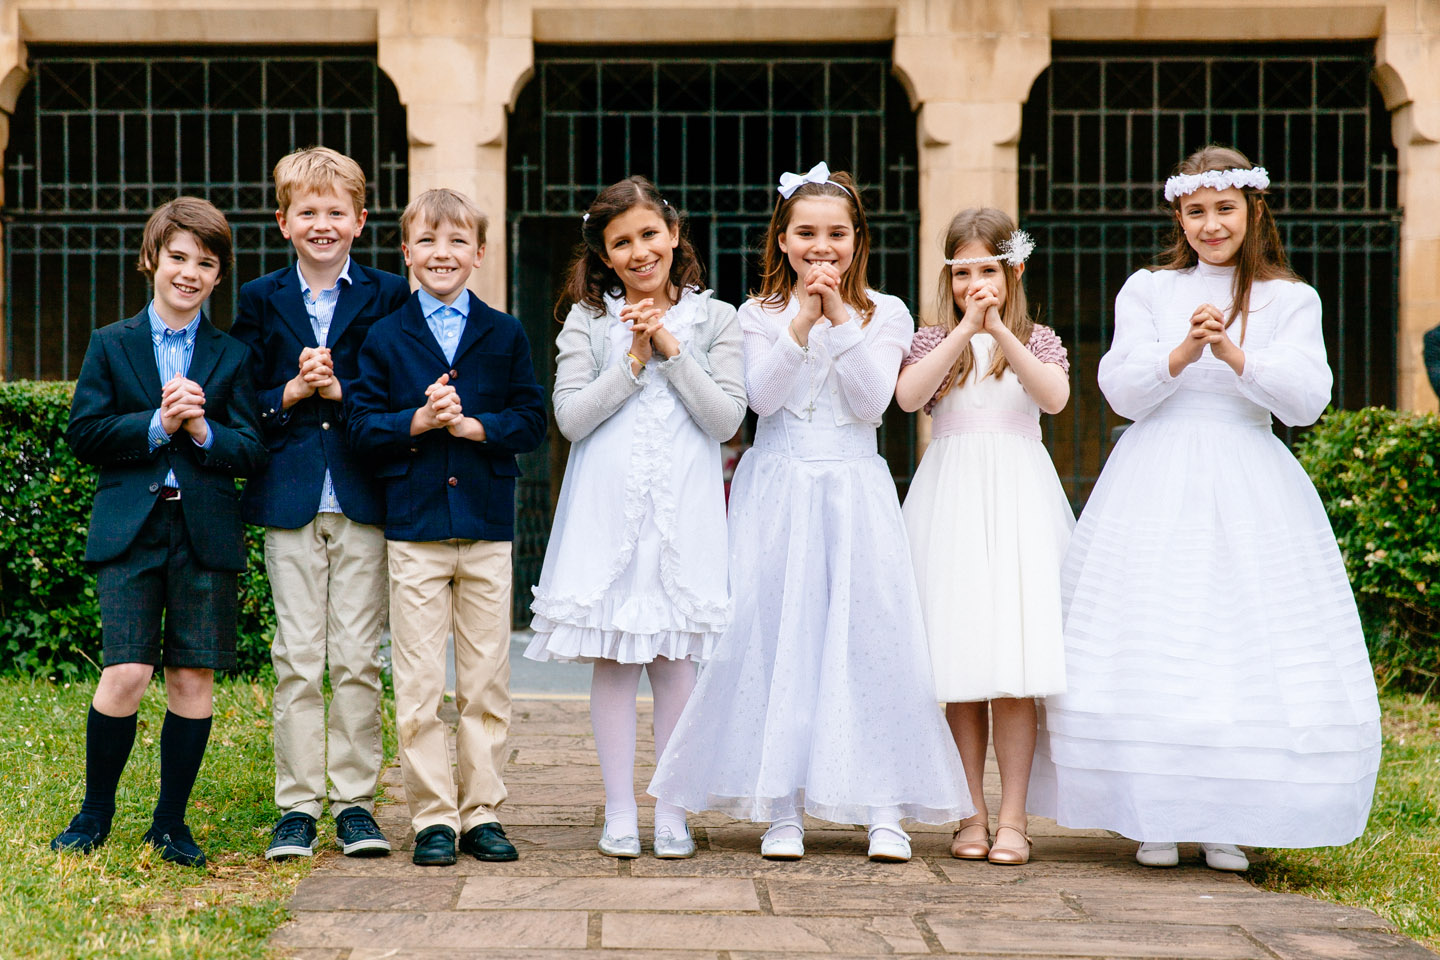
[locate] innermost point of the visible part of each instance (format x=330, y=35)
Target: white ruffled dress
x=635, y=568
x=988, y=523
x=1219, y=685
x=820, y=697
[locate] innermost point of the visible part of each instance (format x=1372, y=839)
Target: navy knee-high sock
x=107, y=749
x=182, y=747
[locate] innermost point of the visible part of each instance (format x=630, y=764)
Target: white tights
x=612, y=716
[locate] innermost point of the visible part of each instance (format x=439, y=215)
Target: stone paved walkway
x=1081, y=896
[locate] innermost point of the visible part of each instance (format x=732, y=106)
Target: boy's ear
x=405, y=252
x=360, y=220
x=280, y=219
x=479, y=254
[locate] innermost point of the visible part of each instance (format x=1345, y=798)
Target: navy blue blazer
x=115, y=397
x=270, y=319
x=1432, y=358
x=438, y=486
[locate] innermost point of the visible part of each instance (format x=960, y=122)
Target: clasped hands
x=182, y=403
x=982, y=310
x=648, y=333
x=316, y=375
x=820, y=299
x=1207, y=328
x=442, y=409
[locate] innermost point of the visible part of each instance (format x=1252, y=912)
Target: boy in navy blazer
x=445, y=399
x=320, y=506
x=164, y=407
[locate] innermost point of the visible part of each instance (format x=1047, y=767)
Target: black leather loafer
x=434, y=847
x=488, y=842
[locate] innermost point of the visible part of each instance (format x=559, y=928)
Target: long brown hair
x=989, y=228
x=1261, y=255
x=589, y=280
x=777, y=278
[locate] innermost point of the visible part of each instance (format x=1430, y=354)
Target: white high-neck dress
x=819, y=698
x=1219, y=687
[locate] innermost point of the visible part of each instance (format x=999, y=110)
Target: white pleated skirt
x=1219, y=687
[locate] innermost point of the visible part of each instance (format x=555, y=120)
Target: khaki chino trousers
x=437, y=587
x=328, y=580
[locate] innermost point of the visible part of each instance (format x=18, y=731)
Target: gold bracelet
x=636, y=359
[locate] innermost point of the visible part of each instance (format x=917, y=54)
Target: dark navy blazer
x=438, y=486
x=1432, y=358
x=115, y=397
x=271, y=320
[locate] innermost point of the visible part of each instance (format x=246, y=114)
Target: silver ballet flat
x=670, y=847
x=627, y=848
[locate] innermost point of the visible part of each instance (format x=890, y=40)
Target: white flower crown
x=1184, y=184
x=1014, y=249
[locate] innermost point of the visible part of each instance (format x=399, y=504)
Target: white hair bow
x=790, y=182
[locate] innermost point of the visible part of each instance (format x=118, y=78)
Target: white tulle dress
x=1219, y=685
x=635, y=565
x=819, y=698
x=988, y=523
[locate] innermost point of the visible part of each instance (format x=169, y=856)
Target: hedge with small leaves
x=1375, y=471
x=49, y=613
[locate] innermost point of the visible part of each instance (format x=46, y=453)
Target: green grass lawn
x=123, y=900
x=1394, y=869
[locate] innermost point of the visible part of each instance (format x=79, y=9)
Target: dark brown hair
x=778, y=281
x=1261, y=255
x=194, y=216
x=989, y=228
x=589, y=280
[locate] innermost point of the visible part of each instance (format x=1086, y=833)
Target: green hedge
x=1375, y=470
x=49, y=615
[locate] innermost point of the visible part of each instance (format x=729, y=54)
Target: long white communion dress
x=988, y=523
x=635, y=565
x=1219, y=685
x=820, y=697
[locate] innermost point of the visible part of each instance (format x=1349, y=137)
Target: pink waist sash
x=953, y=422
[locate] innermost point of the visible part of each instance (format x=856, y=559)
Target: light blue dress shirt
x=447, y=322
x=173, y=350
x=321, y=308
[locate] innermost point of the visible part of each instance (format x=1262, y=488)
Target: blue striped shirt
x=320, y=305
x=173, y=350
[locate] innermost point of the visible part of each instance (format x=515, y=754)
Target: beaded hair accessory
x=1184, y=184
x=820, y=173
x=1014, y=250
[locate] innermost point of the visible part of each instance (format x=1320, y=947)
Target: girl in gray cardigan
x=649, y=383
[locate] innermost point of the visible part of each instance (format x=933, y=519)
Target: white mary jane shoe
x=627, y=848
x=1224, y=856
x=889, y=844
x=670, y=847
x=782, y=848
x=1153, y=854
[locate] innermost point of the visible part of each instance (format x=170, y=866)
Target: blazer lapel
x=288, y=300
x=353, y=298
x=413, y=323
x=477, y=324
x=206, y=353
x=140, y=350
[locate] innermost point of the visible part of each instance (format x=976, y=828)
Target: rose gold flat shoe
x=1011, y=856
x=962, y=848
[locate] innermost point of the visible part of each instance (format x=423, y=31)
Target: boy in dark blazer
x=165, y=408
x=445, y=399
x=320, y=506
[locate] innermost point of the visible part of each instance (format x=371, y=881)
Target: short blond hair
x=443, y=205
x=317, y=170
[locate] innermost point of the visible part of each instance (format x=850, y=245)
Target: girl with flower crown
x=820, y=698
x=648, y=384
x=987, y=518
x=1219, y=689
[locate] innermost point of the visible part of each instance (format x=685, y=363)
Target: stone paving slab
x=1081, y=896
